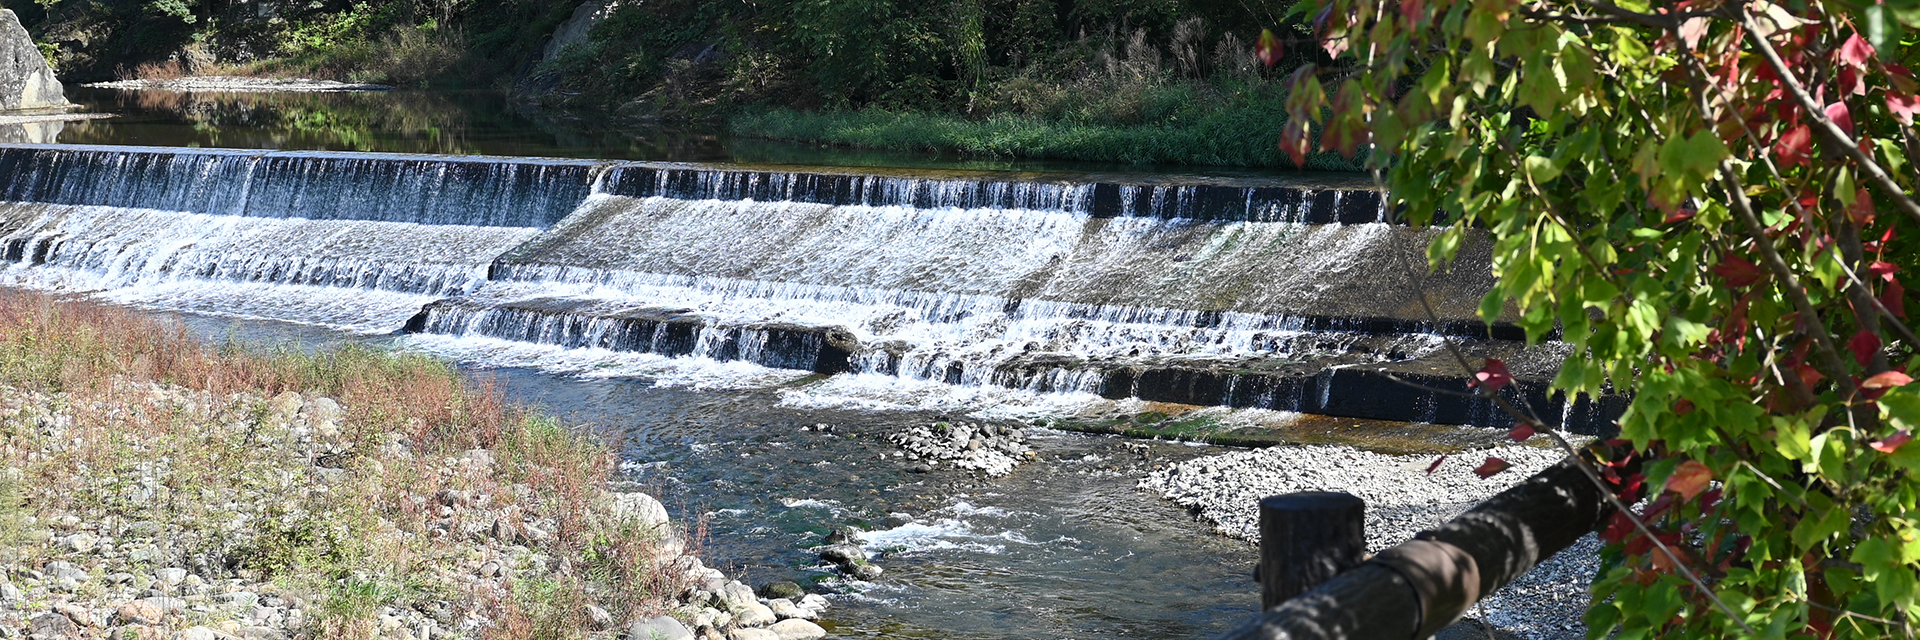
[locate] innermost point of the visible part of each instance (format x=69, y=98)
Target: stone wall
x=26, y=82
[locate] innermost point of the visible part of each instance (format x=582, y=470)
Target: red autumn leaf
x=1856, y=52
x=1794, y=147
x=1852, y=82
x=1693, y=29
x=1413, y=11
x=1884, y=270
x=1808, y=375
x=1838, y=113
x=1347, y=129
x=1893, y=442
x=1639, y=545
x=1864, y=345
x=1886, y=380
x=1332, y=31
x=1903, y=107
x=1630, y=488
x=1663, y=562
x=1493, y=374
x=1689, y=479
x=1902, y=79
x=1710, y=498
x=1436, y=464
x=1683, y=407
x=1738, y=271
x=1268, y=50
x=1861, y=211
x=1490, y=467
x=1295, y=141
x=1618, y=528
x=1521, y=433
x=1895, y=299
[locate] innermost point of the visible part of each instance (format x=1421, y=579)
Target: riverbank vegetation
x=152, y=483
x=1711, y=206
x=1137, y=81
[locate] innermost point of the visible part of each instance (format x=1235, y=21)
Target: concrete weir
x=1290, y=294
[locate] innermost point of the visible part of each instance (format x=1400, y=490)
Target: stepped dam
x=1293, y=295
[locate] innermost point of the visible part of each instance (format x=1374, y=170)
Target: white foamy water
x=664, y=371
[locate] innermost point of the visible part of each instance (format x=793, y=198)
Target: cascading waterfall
x=1286, y=296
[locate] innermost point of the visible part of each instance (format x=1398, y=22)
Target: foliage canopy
x=1710, y=203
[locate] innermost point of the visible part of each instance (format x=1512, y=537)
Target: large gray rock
x=797, y=629
x=576, y=29
x=26, y=82
x=640, y=507
x=754, y=615
x=661, y=628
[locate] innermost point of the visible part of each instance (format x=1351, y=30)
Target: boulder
x=843, y=554
x=784, y=609
x=661, y=628
x=752, y=634
x=642, y=507
x=754, y=615
x=138, y=612
x=797, y=629
x=51, y=625
x=737, y=596
x=783, y=589
x=26, y=82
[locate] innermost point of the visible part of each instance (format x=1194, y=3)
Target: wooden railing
x=1318, y=585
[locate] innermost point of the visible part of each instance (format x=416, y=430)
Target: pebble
x=992, y=450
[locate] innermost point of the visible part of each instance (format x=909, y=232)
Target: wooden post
x=1419, y=587
x=1308, y=538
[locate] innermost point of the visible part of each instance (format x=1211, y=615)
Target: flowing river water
x=714, y=318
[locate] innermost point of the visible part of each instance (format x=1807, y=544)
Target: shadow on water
x=1065, y=547
x=474, y=123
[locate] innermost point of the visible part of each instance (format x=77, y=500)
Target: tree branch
x=1818, y=115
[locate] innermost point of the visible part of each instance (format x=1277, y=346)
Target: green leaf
x=1541, y=169
x=1883, y=28
x=1900, y=407
x=1628, y=50
x=1791, y=438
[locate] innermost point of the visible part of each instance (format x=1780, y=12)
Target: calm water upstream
x=467, y=122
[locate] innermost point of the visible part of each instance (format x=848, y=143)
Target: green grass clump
x=1244, y=137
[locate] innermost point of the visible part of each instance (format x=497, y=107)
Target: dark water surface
x=1064, y=547
x=476, y=123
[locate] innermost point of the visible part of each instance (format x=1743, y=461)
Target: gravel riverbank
x=1402, y=499
x=208, y=532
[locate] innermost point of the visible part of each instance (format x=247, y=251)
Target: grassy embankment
x=1236, y=139
x=128, y=447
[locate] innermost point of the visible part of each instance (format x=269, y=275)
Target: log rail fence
x=1317, y=583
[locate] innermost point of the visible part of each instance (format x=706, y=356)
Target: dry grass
x=380, y=538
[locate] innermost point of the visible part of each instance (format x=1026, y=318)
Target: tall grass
x=379, y=537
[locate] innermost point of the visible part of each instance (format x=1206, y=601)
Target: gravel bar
x=1402, y=499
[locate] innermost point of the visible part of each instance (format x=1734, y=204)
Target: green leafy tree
x=1710, y=202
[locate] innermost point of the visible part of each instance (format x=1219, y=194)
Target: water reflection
x=446, y=122
x=471, y=122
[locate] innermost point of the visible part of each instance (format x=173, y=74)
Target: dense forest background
x=1123, y=80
